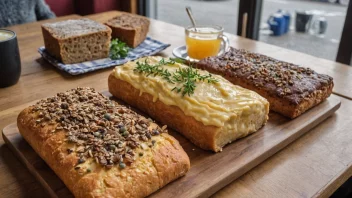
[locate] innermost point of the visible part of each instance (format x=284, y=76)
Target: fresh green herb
x=187, y=76
x=178, y=60
x=155, y=70
x=118, y=49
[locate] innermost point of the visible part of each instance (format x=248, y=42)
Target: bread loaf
x=75, y=41
x=129, y=28
x=214, y=115
x=290, y=89
x=100, y=148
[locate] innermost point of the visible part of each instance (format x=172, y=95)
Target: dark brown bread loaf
x=75, y=41
x=289, y=88
x=129, y=28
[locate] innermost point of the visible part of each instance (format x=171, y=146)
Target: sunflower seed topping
x=100, y=129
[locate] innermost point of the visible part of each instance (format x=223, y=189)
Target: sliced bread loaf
x=75, y=41
x=129, y=28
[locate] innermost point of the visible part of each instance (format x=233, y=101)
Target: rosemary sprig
x=155, y=70
x=187, y=76
x=178, y=60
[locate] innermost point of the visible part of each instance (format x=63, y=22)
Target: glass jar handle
x=225, y=44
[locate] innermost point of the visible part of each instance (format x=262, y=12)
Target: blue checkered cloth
x=147, y=48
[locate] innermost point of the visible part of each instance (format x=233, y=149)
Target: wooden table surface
x=315, y=165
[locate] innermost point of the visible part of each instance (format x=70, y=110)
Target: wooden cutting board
x=209, y=171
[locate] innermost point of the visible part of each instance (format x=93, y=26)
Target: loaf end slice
x=129, y=28
x=75, y=41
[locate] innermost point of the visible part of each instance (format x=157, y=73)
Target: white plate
x=181, y=52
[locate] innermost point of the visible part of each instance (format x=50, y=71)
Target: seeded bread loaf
x=100, y=148
x=129, y=28
x=214, y=115
x=290, y=89
x=75, y=41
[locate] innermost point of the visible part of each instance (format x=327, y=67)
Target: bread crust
x=206, y=137
x=172, y=116
x=164, y=163
x=61, y=47
x=51, y=44
x=278, y=104
x=131, y=34
x=233, y=64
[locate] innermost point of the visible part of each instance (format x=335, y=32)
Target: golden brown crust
x=49, y=146
x=132, y=183
x=205, y=136
x=164, y=162
x=131, y=29
x=199, y=134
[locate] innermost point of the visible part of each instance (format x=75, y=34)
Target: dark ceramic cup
x=303, y=19
x=10, y=63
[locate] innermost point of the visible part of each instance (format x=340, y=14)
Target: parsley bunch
x=118, y=49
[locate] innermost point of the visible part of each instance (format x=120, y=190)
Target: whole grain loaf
x=75, y=41
x=290, y=89
x=129, y=28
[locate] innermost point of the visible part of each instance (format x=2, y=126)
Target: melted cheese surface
x=216, y=104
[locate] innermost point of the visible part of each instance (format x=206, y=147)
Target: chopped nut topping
x=266, y=73
x=100, y=128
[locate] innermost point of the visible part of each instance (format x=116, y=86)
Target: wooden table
x=314, y=165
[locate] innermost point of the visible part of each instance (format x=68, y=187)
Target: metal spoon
x=189, y=12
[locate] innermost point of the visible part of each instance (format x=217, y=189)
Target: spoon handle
x=189, y=12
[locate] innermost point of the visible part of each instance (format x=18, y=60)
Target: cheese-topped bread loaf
x=78, y=40
x=290, y=89
x=100, y=148
x=207, y=109
x=129, y=28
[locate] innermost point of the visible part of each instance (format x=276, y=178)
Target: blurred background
x=312, y=27
x=225, y=13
